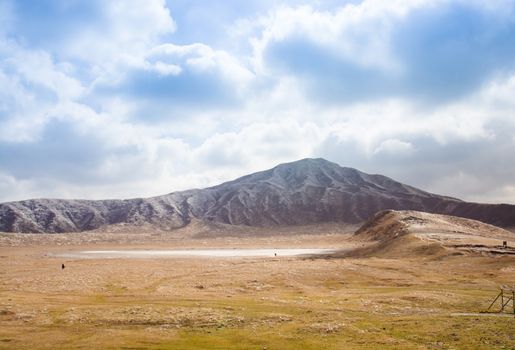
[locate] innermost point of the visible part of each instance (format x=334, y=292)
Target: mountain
x=302, y=192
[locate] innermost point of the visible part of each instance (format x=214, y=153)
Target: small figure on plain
x=62, y=266
x=275, y=254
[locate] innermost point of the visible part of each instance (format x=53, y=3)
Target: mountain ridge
x=301, y=192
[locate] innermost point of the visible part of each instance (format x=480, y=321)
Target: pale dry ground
x=246, y=303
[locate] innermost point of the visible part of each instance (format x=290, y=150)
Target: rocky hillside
x=302, y=192
x=412, y=233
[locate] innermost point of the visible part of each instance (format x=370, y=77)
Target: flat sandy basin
x=411, y=301
x=171, y=253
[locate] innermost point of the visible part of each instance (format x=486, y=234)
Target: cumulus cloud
x=394, y=146
x=137, y=98
x=430, y=50
x=93, y=31
x=200, y=73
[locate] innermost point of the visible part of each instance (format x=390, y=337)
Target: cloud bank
x=139, y=98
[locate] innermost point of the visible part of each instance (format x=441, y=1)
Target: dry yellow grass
x=245, y=303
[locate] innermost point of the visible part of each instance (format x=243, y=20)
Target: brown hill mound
x=412, y=233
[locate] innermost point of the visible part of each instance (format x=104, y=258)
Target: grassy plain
x=429, y=302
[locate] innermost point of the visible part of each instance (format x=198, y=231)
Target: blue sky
x=119, y=99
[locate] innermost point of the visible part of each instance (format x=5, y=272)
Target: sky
x=136, y=98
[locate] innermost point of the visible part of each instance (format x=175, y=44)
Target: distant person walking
x=62, y=266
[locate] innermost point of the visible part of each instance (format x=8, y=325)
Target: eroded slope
x=412, y=233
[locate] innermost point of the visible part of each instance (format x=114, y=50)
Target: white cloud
x=201, y=57
x=166, y=68
x=128, y=30
x=394, y=147
x=275, y=119
x=37, y=67
x=359, y=33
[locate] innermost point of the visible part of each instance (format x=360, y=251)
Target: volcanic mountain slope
x=412, y=233
x=303, y=192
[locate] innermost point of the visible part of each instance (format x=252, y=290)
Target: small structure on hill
x=505, y=296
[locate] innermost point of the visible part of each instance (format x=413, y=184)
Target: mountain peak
x=309, y=162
